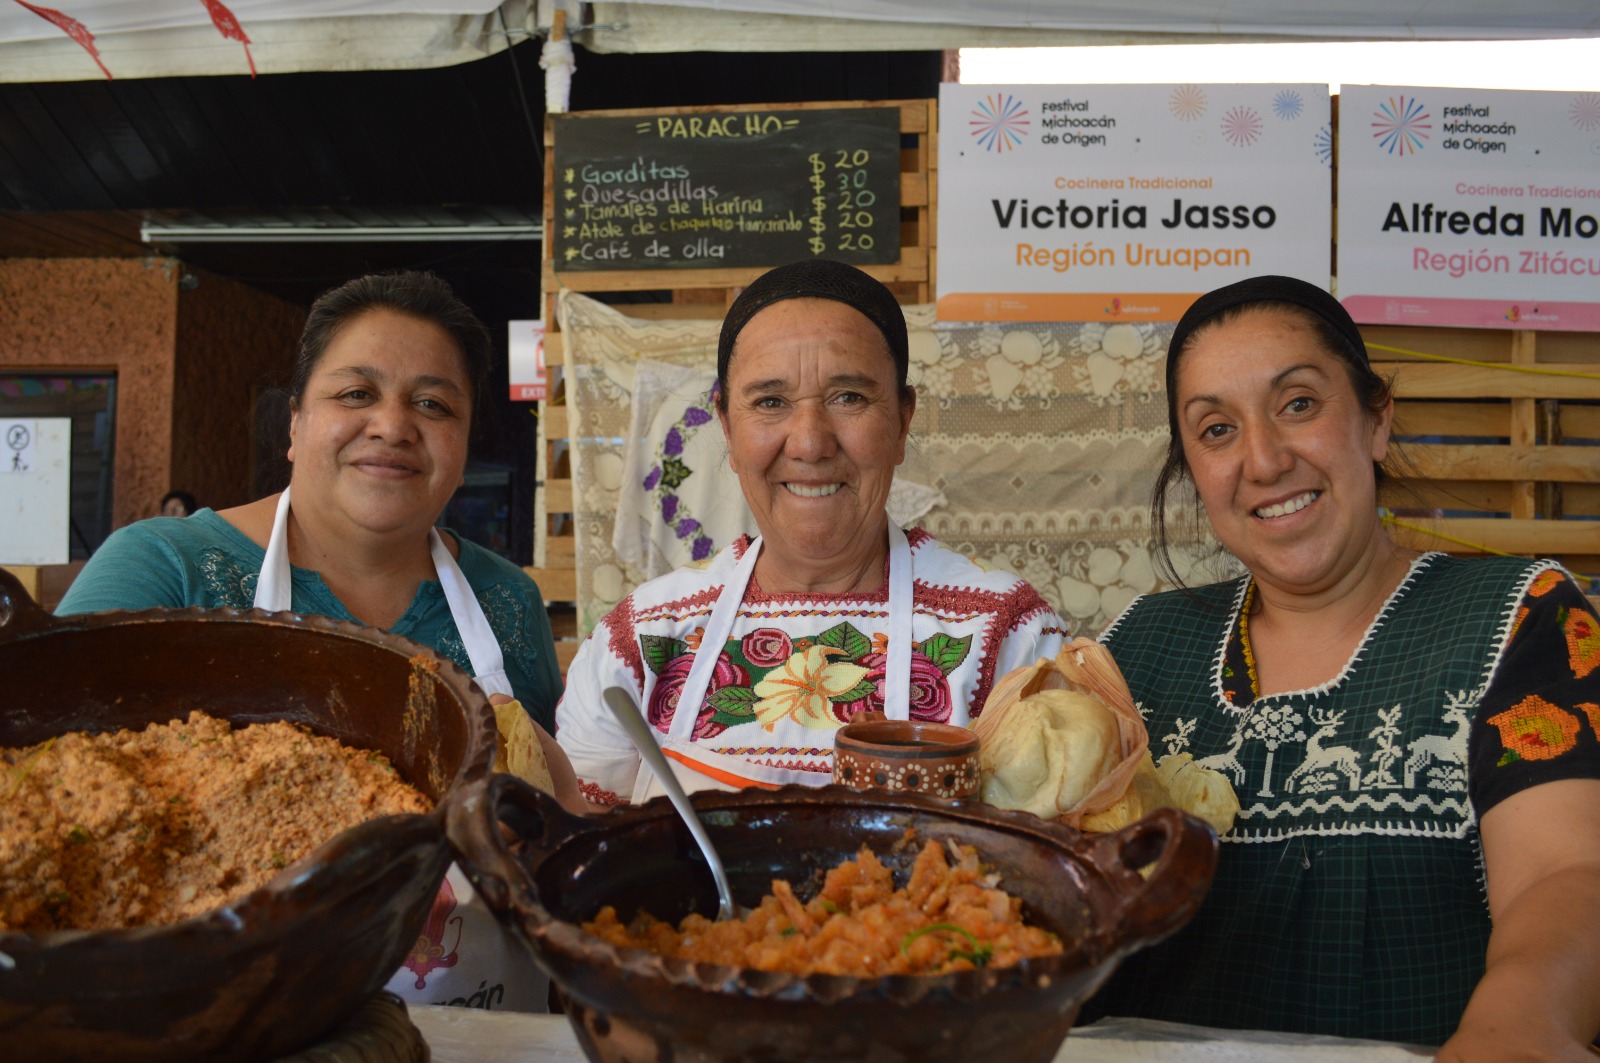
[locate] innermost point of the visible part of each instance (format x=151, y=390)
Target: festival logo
x=1322, y=146
x=1514, y=314
x=1188, y=102
x=999, y=123
x=1241, y=126
x=1585, y=111
x=1401, y=125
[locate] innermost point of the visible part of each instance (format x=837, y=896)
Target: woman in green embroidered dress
x=1413, y=738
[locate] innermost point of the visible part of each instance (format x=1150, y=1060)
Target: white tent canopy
x=81, y=39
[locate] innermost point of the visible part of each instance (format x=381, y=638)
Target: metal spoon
x=627, y=714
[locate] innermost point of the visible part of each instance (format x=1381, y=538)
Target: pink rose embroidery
x=669, y=688
x=766, y=647
x=930, y=690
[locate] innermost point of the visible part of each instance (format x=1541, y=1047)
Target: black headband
x=818, y=278
x=1269, y=289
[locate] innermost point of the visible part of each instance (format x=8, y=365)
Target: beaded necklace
x=1244, y=640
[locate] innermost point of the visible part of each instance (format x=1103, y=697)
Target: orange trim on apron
x=726, y=777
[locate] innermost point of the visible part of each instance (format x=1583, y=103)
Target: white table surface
x=466, y=1035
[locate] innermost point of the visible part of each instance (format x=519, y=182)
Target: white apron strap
x=483, y=648
x=693, y=694
x=897, y=666
x=274, y=592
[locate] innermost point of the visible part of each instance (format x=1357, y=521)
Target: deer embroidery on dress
x=1447, y=753
x=1227, y=761
x=1323, y=765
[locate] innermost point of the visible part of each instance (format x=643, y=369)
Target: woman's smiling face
x=379, y=436
x=816, y=426
x=1281, y=449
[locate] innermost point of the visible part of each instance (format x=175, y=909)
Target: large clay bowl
x=276, y=970
x=629, y=1004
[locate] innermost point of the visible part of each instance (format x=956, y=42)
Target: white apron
x=697, y=768
x=464, y=957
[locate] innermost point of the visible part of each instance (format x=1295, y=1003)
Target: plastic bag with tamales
x=1062, y=739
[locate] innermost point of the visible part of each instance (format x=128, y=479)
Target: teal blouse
x=202, y=560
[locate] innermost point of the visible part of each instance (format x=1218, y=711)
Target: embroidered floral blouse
x=796, y=667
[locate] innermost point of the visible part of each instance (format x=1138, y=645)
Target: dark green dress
x=1349, y=897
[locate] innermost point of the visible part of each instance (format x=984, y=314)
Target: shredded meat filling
x=950, y=916
x=139, y=828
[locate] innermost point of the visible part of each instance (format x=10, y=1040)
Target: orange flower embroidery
x=1516, y=625
x=1583, y=641
x=1545, y=583
x=1591, y=710
x=1534, y=729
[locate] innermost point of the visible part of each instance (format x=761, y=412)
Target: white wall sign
x=1089, y=202
x=529, y=379
x=1470, y=207
x=35, y=490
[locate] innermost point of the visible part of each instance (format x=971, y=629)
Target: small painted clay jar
x=907, y=756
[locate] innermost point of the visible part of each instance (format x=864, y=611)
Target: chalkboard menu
x=718, y=188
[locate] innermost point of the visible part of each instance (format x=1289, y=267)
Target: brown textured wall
x=231, y=340
x=104, y=313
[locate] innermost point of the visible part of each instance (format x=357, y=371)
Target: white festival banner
x=1470, y=207
x=1099, y=202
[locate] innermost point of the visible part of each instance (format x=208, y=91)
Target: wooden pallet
x=695, y=294
x=1498, y=457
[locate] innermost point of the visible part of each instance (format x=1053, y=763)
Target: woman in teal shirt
x=387, y=381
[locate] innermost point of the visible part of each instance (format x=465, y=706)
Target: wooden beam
x=1445, y=461
x=1428, y=380
x=1524, y=426
x=555, y=584
x=1532, y=537
x=558, y=496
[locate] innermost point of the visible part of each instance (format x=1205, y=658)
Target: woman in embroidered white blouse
x=745, y=665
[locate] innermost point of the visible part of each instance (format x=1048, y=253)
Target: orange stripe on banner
x=727, y=777
x=1064, y=306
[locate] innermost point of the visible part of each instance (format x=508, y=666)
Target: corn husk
x=517, y=748
x=1200, y=791
x=1083, y=666
x=1146, y=792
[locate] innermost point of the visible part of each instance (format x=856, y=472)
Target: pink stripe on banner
x=1474, y=313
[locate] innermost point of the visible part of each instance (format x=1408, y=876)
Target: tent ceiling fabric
x=87, y=39
x=1185, y=19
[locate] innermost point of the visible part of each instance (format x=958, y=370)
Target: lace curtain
x=1034, y=449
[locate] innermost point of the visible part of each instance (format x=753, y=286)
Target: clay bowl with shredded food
x=273, y=971
x=631, y=1004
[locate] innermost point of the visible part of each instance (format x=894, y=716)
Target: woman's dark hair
x=1288, y=297
x=817, y=278
x=417, y=294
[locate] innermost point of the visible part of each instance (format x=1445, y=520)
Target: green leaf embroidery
x=855, y=693
x=845, y=637
x=673, y=473
x=945, y=652
x=733, y=701
x=1510, y=756
x=660, y=651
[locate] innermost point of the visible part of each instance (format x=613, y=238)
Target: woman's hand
x=564, y=781
x=1539, y=998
